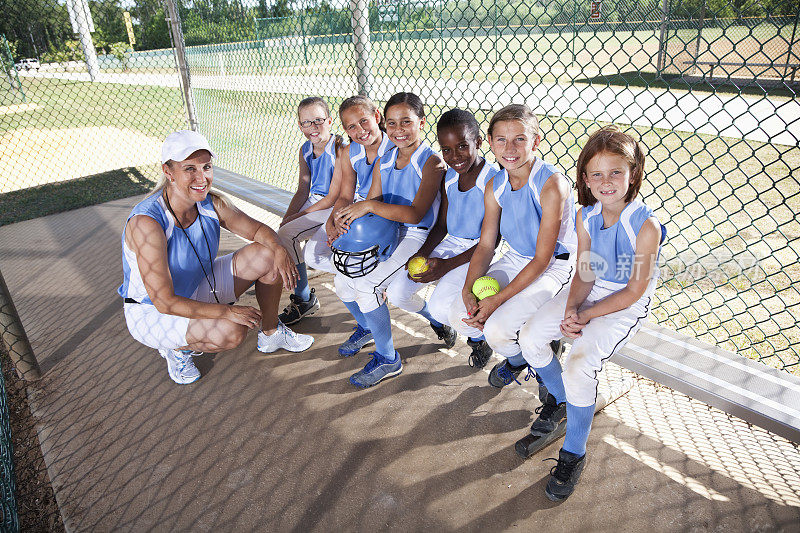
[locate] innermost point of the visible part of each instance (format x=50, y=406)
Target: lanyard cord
x=208, y=246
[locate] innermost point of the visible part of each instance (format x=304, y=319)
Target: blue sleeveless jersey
x=362, y=167
x=321, y=167
x=465, y=209
x=522, y=212
x=181, y=259
x=613, y=248
x=400, y=186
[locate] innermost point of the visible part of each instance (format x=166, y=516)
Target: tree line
x=41, y=28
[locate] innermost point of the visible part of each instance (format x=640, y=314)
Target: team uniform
x=519, y=225
x=292, y=234
x=464, y=217
x=613, y=250
x=317, y=251
x=398, y=186
x=146, y=324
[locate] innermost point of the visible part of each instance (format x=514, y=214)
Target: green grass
x=53, y=198
x=66, y=104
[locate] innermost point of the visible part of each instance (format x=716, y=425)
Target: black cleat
x=481, y=353
x=298, y=308
x=504, y=373
x=550, y=416
x=564, y=476
x=446, y=333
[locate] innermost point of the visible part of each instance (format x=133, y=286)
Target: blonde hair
x=612, y=140
x=360, y=100
x=518, y=112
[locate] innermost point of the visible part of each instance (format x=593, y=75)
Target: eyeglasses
x=316, y=122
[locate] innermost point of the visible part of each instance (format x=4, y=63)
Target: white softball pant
x=402, y=291
x=307, y=227
x=368, y=291
x=502, y=327
x=161, y=331
x=601, y=338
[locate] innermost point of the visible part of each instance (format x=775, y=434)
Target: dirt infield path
x=284, y=443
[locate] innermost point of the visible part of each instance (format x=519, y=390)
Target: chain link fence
x=8, y=502
x=709, y=87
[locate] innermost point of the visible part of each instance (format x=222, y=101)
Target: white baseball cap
x=181, y=144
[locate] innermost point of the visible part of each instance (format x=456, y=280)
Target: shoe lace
x=372, y=362
x=507, y=375
x=358, y=331
x=184, y=358
x=530, y=374
x=294, y=303
x=562, y=471
x=478, y=357
x=546, y=410
x=283, y=328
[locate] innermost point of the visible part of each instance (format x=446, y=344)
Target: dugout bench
x=752, y=391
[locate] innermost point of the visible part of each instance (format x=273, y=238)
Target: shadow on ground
x=43, y=200
x=284, y=443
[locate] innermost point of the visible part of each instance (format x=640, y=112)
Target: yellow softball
x=485, y=286
x=417, y=265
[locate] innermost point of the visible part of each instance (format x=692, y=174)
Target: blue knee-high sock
x=381, y=327
x=579, y=423
x=517, y=360
x=302, y=290
x=357, y=314
x=425, y=313
x=551, y=376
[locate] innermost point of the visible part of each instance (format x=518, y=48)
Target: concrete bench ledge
x=752, y=391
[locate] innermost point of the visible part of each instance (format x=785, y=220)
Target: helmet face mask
x=356, y=264
x=370, y=240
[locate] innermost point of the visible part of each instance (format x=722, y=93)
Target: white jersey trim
x=625, y=220
x=168, y=216
x=498, y=192
x=415, y=158
x=330, y=147
x=362, y=154
x=537, y=166
x=390, y=162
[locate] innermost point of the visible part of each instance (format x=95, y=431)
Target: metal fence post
x=303, y=36
x=360, y=21
x=14, y=337
x=179, y=46
x=791, y=51
x=662, y=39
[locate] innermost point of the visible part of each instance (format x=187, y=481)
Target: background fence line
x=708, y=86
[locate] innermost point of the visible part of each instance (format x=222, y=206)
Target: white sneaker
x=180, y=366
x=283, y=338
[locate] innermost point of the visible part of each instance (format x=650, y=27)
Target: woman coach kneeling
x=179, y=296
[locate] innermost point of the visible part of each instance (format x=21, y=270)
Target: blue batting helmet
x=370, y=240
